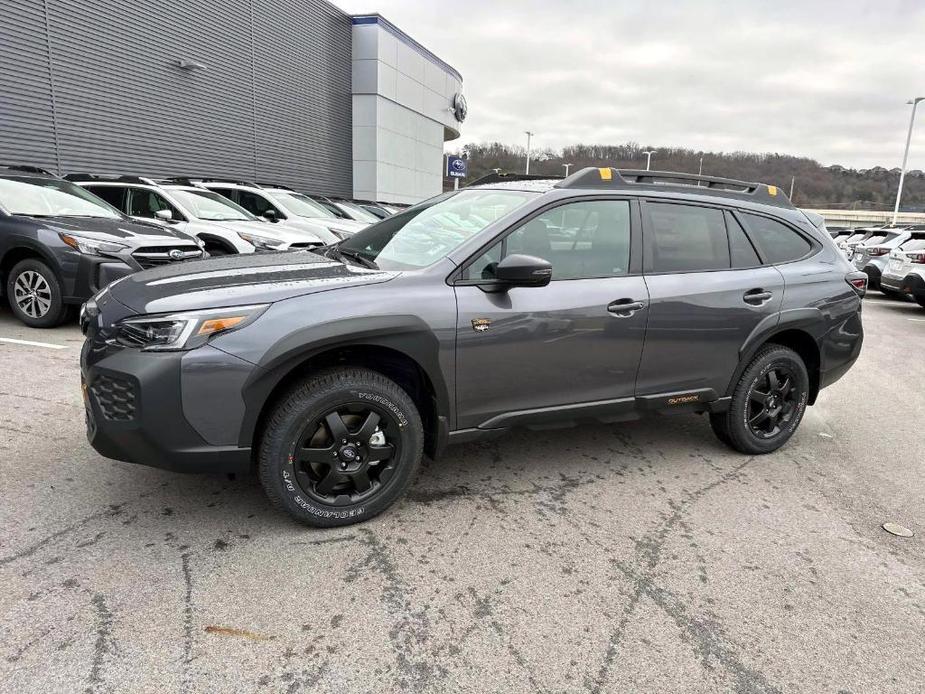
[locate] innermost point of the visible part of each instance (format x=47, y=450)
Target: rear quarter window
x=778, y=242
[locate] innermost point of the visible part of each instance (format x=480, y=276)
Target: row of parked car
x=893, y=258
x=63, y=239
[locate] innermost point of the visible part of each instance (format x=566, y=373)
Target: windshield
x=425, y=233
x=303, y=206
x=358, y=212
x=210, y=206
x=52, y=197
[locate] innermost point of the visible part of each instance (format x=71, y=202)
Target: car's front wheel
x=34, y=294
x=341, y=447
x=768, y=402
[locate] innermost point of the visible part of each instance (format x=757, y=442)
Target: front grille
x=115, y=397
x=153, y=256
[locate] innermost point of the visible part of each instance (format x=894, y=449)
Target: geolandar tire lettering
x=340, y=447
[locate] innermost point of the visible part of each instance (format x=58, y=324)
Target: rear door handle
x=757, y=296
x=624, y=308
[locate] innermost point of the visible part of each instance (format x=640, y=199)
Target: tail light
x=918, y=258
x=877, y=250
x=858, y=282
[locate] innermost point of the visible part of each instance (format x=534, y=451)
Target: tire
x=762, y=417
x=293, y=464
x=34, y=294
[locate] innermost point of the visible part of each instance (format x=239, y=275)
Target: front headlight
x=187, y=330
x=263, y=243
x=89, y=246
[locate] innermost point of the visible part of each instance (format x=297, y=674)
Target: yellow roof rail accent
x=606, y=173
x=772, y=190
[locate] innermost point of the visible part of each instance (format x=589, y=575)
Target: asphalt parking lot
x=634, y=557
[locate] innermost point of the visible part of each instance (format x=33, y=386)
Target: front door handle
x=624, y=308
x=757, y=297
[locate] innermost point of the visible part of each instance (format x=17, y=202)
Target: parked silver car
x=905, y=271
x=872, y=254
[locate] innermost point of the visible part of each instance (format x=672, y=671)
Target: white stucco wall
x=402, y=114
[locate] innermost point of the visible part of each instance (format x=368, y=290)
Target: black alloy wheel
x=772, y=402
x=347, y=454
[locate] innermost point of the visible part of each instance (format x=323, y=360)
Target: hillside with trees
x=815, y=185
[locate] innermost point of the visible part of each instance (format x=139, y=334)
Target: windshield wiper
x=356, y=257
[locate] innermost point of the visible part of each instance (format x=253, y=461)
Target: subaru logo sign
x=460, y=107
x=456, y=167
x=176, y=254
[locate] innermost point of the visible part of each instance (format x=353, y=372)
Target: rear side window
x=916, y=243
x=114, y=195
x=778, y=243
x=740, y=248
x=686, y=238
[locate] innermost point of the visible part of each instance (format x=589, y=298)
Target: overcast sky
x=828, y=80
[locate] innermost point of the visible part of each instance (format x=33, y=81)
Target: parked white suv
x=222, y=226
x=905, y=271
x=285, y=208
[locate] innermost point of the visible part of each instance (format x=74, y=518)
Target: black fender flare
x=33, y=246
x=406, y=334
x=790, y=319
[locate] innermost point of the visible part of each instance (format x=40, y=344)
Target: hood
x=236, y=280
x=130, y=232
x=351, y=226
x=309, y=229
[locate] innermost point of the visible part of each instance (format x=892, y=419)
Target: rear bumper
x=134, y=410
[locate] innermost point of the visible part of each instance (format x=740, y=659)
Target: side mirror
x=164, y=215
x=523, y=271
x=271, y=215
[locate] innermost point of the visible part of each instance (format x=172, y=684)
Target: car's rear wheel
x=34, y=294
x=768, y=402
x=341, y=447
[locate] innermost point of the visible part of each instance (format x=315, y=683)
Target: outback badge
x=480, y=325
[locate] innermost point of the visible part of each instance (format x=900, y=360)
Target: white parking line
x=917, y=320
x=30, y=343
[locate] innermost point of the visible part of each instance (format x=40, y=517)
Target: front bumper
x=136, y=411
x=94, y=273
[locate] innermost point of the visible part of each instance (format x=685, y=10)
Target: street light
x=902, y=171
x=529, y=135
x=649, y=158
x=566, y=169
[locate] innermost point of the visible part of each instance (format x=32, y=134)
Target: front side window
x=686, y=238
x=425, y=233
x=255, y=204
x=778, y=242
x=145, y=203
x=357, y=212
x=581, y=240
x=303, y=206
x=210, y=206
x=51, y=197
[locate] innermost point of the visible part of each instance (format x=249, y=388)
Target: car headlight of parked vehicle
x=263, y=243
x=183, y=331
x=89, y=246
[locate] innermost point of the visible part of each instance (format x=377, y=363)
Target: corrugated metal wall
x=272, y=102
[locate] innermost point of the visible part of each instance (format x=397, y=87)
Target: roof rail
x=110, y=178
x=502, y=176
x=265, y=184
x=27, y=169
x=208, y=179
x=609, y=178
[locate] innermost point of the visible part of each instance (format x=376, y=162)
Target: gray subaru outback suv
x=606, y=295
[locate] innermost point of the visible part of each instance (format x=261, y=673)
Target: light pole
x=649, y=159
x=902, y=171
x=793, y=179
x=566, y=169
x=700, y=170
x=529, y=136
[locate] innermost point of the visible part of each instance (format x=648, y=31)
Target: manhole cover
x=897, y=529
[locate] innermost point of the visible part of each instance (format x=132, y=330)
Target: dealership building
x=293, y=92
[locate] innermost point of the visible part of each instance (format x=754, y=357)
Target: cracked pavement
x=641, y=556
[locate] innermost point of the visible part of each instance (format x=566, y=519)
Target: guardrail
x=859, y=218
